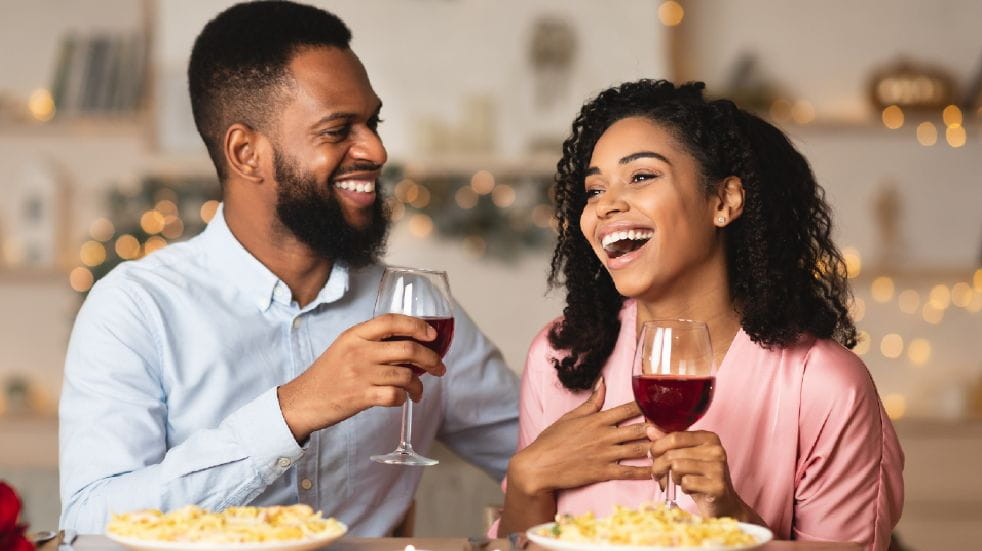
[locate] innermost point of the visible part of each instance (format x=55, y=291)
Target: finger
x=619, y=414
x=653, y=433
x=630, y=450
x=403, y=353
x=400, y=377
x=627, y=433
x=625, y=472
x=701, y=485
x=592, y=404
x=387, y=326
x=385, y=396
x=682, y=439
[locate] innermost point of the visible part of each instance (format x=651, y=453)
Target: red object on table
x=12, y=536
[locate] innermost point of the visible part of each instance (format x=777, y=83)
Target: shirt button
x=296, y=323
x=306, y=484
x=284, y=462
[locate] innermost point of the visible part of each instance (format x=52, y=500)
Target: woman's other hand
x=583, y=446
x=698, y=464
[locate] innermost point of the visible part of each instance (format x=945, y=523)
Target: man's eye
x=374, y=122
x=336, y=133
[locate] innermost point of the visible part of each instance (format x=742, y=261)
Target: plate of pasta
x=647, y=528
x=191, y=528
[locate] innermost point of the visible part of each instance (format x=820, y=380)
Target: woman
x=672, y=206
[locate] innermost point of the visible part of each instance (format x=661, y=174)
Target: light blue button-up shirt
x=170, y=394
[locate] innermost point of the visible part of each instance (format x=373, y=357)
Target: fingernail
x=430, y=332
x=598, y=384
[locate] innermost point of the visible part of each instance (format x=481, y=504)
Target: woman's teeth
x=361, y=186
x=633, y=235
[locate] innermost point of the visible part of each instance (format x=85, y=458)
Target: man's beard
x=315, y=217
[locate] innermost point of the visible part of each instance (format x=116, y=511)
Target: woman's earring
x=721, y=220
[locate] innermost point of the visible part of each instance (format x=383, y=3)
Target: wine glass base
x=404, y=458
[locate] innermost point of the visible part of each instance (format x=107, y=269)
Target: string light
x=41, y=105
x=882, y=289
x=92, y=253
x=802, y=112
x=81, y=279
x=419, y=196
x=482, y=182
x=420, y=225
x=152, y=222
x=893, y=117
x=503, y=196
x=931, y=314
x=166, y=207
x=173, y=227
x=102, y=229
x=895, y=405
x=940, y=297
x=402, y=188
x=127, y=247
x=909, y=301
x=952, y=116
x=154, y=244
x=956, y=136
x=671, y=13
x=208, y=210
x=962, y=294
x=919, y=352
x=466, y=197
x=892, y=345
x=854, y=262
x=927, y=134
x=862, y=343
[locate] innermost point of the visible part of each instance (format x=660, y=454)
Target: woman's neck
x=705, y=299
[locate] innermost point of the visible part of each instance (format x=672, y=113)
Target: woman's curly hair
x=786, y=277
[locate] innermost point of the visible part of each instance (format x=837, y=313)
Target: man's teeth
x=362, y=186
x=622, y=235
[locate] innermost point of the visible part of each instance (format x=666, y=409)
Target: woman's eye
x=642, y=176
x=591, y=193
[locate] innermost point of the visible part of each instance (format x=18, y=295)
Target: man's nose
x=368, y=148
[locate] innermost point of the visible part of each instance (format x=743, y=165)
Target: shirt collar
x=239, y=268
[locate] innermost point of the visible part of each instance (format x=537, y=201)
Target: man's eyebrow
x=592, y=171
x=344, y=115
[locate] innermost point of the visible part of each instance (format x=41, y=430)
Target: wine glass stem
x=406, y=435
x=670, y=492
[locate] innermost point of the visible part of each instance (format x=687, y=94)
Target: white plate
x=762, y=534
x=295, y=545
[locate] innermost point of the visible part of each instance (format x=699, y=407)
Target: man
x=237, y=367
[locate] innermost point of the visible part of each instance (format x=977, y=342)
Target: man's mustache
x=357, y=167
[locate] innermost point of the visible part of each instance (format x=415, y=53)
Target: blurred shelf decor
x=498, y=209
x=161, y=210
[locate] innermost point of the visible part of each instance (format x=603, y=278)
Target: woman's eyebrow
x=631, y=158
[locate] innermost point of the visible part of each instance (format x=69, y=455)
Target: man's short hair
x=238, y=71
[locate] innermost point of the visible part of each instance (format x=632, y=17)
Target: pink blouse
x=808, y=444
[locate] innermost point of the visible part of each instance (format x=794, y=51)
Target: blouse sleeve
x=848, y=482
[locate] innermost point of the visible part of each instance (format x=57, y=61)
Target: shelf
x=542, y=165
x=94, y=126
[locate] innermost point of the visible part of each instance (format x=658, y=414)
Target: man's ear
x=728, y=204
x=243, y=151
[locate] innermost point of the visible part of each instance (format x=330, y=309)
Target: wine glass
x=423, y=294
x=673, y=377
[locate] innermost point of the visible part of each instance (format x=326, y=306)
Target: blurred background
x=884, y=97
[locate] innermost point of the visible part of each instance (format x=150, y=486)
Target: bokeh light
x=81, y=279
x=153, y=244
x=102, y=229
x=208, y=210
x=420, y=225
x=41, y=105
x=419, y=196
x=927, y=134
x=893, y=117
x=802, y=112
x=92, y=253
x=919, y=352
x=955, y=136
x=931, y=314
x=482, y=182
x=857, y=309
x=854, y=262
x=127, y=247
x=543, y=216
x=895, y=405
x=503, y=196
x=466, y=197
x=961, y=294
x=892, y=345
x=152, y=222
x=671, y=13
x=173, y=227
x=475, y=245
x=909, y=301
x=952, y=116
x=882, y=289
x=862, y=343
x=940, y=296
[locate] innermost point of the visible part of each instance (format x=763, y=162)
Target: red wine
x=673, y=402
x=440, y=345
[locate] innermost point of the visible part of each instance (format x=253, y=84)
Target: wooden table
x=101, y=543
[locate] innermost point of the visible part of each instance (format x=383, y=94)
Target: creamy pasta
x=650, y=525
x=192, y=524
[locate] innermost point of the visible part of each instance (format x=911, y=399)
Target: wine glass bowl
x=673, y=377
x=423, y=294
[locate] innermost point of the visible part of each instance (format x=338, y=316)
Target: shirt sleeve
x=481, y=400
x=848, y=483
x=113, y=433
